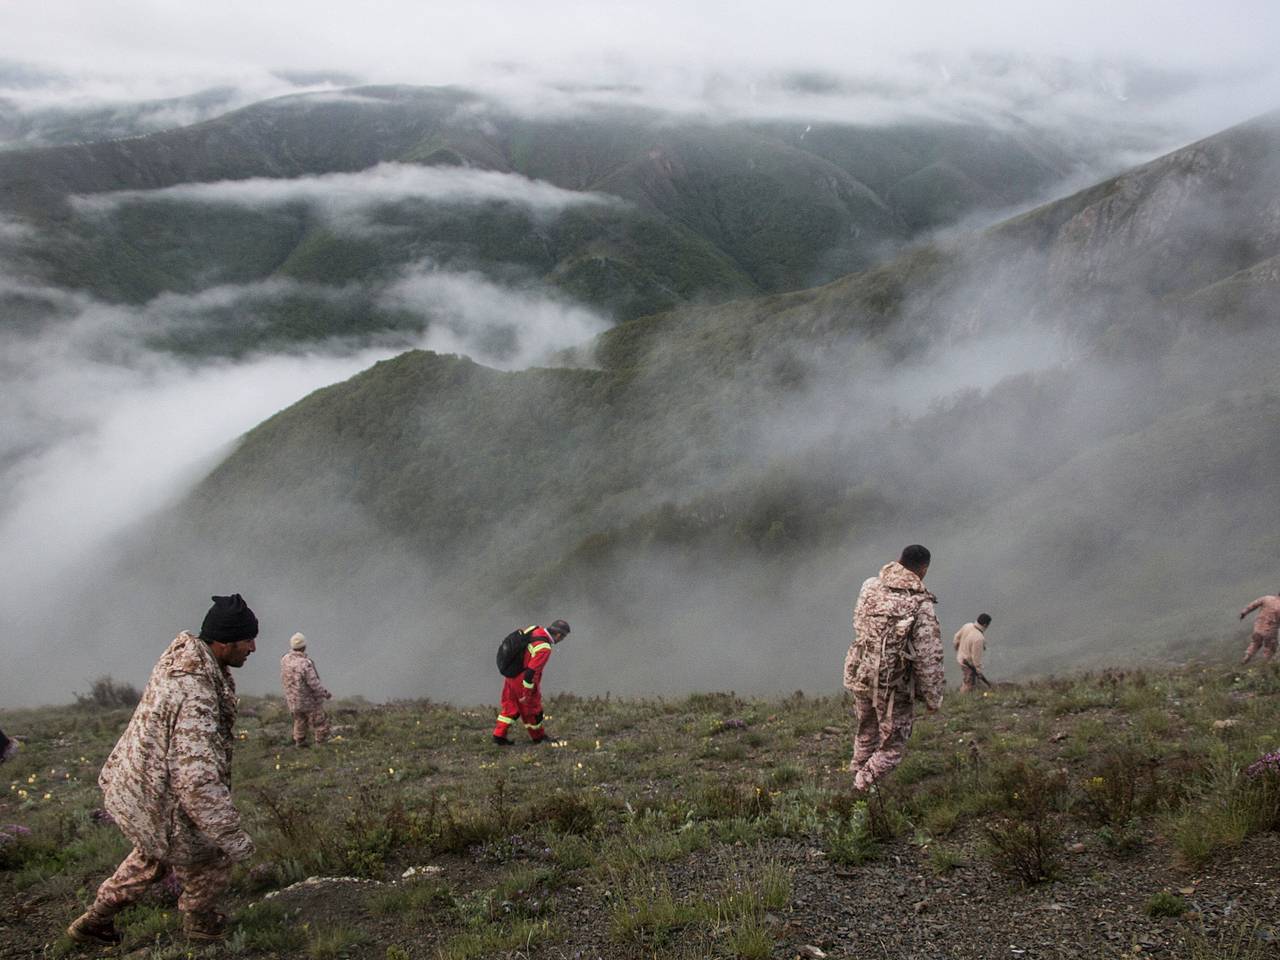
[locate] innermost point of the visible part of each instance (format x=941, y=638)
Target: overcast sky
x=720, y=53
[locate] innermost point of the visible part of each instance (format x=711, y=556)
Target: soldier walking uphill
x=522, y=693
x=1265, y=628
x=894, y=660
x=167, y=783
x=304, y=694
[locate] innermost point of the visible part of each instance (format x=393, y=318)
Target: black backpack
x=511, y=651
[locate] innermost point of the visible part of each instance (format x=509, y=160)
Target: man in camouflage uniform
x=1265, y=628
x=894, y=660
x=303, y=692
x=167, y=783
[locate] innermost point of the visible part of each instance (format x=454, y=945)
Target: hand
x=240, y=848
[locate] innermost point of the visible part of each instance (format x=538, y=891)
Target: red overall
x=522, y=694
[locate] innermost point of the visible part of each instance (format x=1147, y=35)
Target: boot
x=95, y=929
x=205, y=927
x=503, y=741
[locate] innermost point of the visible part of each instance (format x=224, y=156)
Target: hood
x=894, y=576
x=189, y=654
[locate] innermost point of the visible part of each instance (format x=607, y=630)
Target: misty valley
x=391, y=369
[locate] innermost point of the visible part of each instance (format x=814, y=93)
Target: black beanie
x=229, y=620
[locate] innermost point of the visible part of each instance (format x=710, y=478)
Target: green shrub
x=108, y=693
x=723, y=800
x=1166, y=904
x=1025, y=846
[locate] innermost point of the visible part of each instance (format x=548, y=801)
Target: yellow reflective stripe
x=502, y=719
x=527, y=684
x=537, y=648
x=533, y=726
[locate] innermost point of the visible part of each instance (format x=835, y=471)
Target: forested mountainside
x=1084, y=432
x=325, y=195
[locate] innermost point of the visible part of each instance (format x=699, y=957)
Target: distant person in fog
x=1265, y=628
x=304, y=693
x=970, y=641
x=894, y=660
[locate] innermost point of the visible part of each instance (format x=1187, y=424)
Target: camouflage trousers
x=969, y=679
x=883, y=729
x=1266, y=642
x=316, y=719
x=202, y=884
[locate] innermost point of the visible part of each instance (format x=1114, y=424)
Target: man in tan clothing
x=304, y=693
x=895, y=659
x=970, y=641
x=1265, y=628
x=167, y=783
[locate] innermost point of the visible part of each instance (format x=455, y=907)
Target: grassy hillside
x=1090, y=815
x=757, y=453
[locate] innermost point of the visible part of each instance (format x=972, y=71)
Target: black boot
x=503, y=741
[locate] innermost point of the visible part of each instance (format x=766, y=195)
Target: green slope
x=745, y=451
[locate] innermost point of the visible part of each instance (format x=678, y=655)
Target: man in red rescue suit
x=522, y=694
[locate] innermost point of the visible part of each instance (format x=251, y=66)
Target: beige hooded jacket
x=970, y=641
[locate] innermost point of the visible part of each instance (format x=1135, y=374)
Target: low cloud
x=351, y=195
x=100, y=431
x=1183, y=64
x=499, y=326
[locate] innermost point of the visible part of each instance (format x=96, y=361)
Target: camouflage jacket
x=897, y=643
x=303, y=691
x=1268, y=622
x=167, y=783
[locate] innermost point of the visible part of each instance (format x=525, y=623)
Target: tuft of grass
x=416, y=899
x=941, y=818
x=1228, y=807
x=785, y=775
x=1242, y=939
x=646, y=911
x=750, y=940
x=333, y=941
x=944, y=858
x=1166, y=904
x=265, y=928
x=520, y=934
x=724, y=800
x=850, y=840
x=147, y=923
